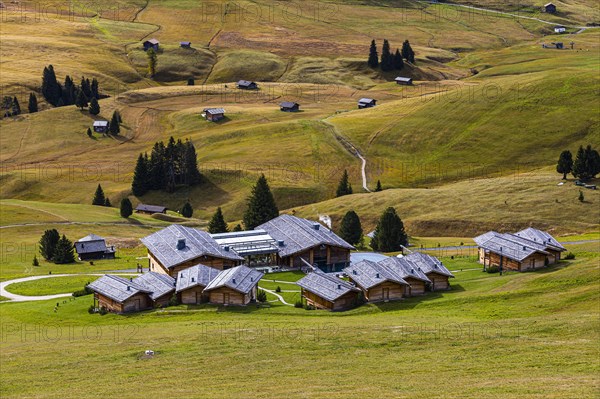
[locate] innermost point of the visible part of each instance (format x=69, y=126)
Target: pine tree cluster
x=69, y=92
x=166, y=168
x=10, y=106
x=55, y=248
x=390, y=61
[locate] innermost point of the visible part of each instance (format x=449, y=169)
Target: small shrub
x=278, y=289
x=261, y=296
x=493, y=269
x=103, y=311
x=299, y=304
x=309, y=307
x=581, y=196
x=173, y=301
x=570, y=256
x=85, y=291
x=91, y=309
x=35, y=261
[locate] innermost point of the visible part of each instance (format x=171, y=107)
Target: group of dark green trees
x=389, y=235
x=167, y=167
x=69, y=93
x=585, y=166
x=390, y=61
x=99, y=198
x=55, y=248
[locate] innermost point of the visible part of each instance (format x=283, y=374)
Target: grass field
x=51, y=286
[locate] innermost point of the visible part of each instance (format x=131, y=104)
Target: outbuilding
x=151, y=44
x=214, y=114
x=247, y=85
x=236, y=286
x=560, y=29
x=433, y=268
x=160, y=286
x=93, y=247
x=550, y=8
x=411, y=273
x=404, y=81
x=100, y=126
x=192, y=281
x=150, y=209
x=325, y=291
x=366, y=103
x=119, y=295
x=378, y=282
x=288, y=106
x=185, y=44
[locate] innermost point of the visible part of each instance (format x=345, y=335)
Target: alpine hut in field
x=150, y=209
x=151, y=44
x=185, y=44
x=246, y=85
x=366, y=103
x=550, y=8
x=236, y=286
x=192, y=281
x=435, y=271
x=160, y=286
x=100, y=126
x=119, y=295
x=93, y=247
x=403, y=81
x=412, y=274
x=288, y=106
x=325, y=291
x=177, y=247
x=551, y=245
x=378, y=282
x=213, y=114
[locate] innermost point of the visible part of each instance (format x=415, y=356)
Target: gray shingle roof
x=100, y=123
x=509, y=245
x=240, y=278
x=116, y=288
x=288, y=104
x=300, y=234
x=157, y=283
x=405, y=268
x=244, y=82
x=366, y=100
x=152, y=41
x=541, y=237
x=163, y=245
x=325, y=285
x=198, y=275
x=90, y=244
x=401, y=79
x=214, y=111
x=151, y=208
x=368, y=274
x=429, y=264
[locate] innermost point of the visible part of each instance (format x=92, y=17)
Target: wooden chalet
x=403, y=81
x=560, y=29
x=151, y=44
x=100, y=126
x=302, y=243
x=551, y=245
x=246, y=85
x=366, y=103
x=191, y=283
x=213, y=114
x=411, y=273
x=288, y=106
x=236, y=286
x=550, y=8
x=150, y=209
x=378, y=282
x=185, y=44
x=435, y=271
x=177, y=247
x=325, y=291
x=518, y=252
x=160, y=286
x=93, y=247
x=120, y=295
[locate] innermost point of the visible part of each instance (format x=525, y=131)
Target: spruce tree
x=373, y=56
x=389, y=234
x=378, y=187
x=152, y=62
x=398, y=63
x=190, y=167
x=587, y=163
x=351, y=229
x=139, y=185
x=89, y=132
x=94, y=106
x=187, y=210
x=16, y=108
x=156, y=167
x=387, y=61
x=68, y=92
x=107, y=202
x=48, y=243
x=86, y=87
x=407, y=52
x=51, y=89
x=344, y=187
x=261, y=205
x=80, y=100
x=238, y=227
x=64, y=251
x=126, y=209
x=99, y=198
x=94, y=89
x=33, y=104
x=114, y=128
x=565, y=163
x=217, y=223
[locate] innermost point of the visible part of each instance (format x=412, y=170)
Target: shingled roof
x=405, y=268
x=326, y=286
x=89, y=244
x=157, y=283
x=300, y=234
x=117, y=288
x=198, y=275
x=240, y=278
x=151, y=208
x=509, y=245
x=368, y=274
x=428, y=264
x=176, y=244
x=541, y=237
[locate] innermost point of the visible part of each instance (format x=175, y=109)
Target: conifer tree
x=587, y=163
x=89, y=132
x=152, y=62
x=238, y=227
x=33, y=104
x=81, y=100
x=64, y=251
x=378, y=187
x=373, y=56
x=126, y=208
x=344, y=187
x=389, y=234
x=261, y=205
x=565, y=163
x=94, y=106
x=398, y=62
x=16, y=108
x=51, y=89
x=187, y=210
x=351, y=229
x=387, y=61
x=217, y=224
x=407, y=52
x=114, y=128
x=191, y=173
x=94, y=89
x=139, y=185
x=48, y=243
x=107, y=202
x=99, y=198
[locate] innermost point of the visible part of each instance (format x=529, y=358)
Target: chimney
x=181, y=244
x=193, y=279
x=281, y=243
x=339, y=286
x=377, y=275
x=131, y=279
x=354, y=272
x=180, y=275
x=233, y=281
x=316, y=226
x=524, y=248
x=128, y=288
x=226, y=248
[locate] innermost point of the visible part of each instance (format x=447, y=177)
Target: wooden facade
x=384, y=292
x=227, y=296
x=326, y=257
x=439, y=282
x=211, y=261
x=135, y=303
x=415, y=287
x=344, y=302
x=193, y=296
x=532, y=262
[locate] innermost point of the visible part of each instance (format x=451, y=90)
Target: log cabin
x=551, y=245
x=366, y=103
x=93, y=247
x=214, y=114
x=403, y=81
x=512, y=252
x=151, y=44
x=288, y=106
x=550, y=8
x=120, y=295
x=101, y=126
x=177, y=247
x=160, y=286
x=377, y=282
x=246, y=85
x=411, y=273
x=435, y=271
x=325, y=291
x=150, y=209
x=185, y=44
x=191, y=283
x=236, y=286
x=303, y=242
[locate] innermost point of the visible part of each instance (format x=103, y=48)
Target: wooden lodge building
x=528, y=249
x=431, y=266
x=236, y=286
x=325, y=291
x=366, y=103
x=304, y=243
x=288, y=106
x=246, y=85
x=378, y=282
x=93, y=247
x=119, y=295
x=150, y=209
x=411, y=273
x=160, y=286
x=177, y=247
x=191, y=283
